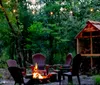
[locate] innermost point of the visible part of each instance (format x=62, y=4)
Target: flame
x=36, y=73
x=36, y=67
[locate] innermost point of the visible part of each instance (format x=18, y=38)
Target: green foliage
x=51, y=34
x=3, y=58
x=40, y=38
x=0, y=76
x=97, y=79
x=35, y=35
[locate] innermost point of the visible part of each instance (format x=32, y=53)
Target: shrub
x=0, y=75
x=97, y=79
x=3, y=58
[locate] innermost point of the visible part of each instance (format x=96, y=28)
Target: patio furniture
x=40, y=60
x=68, y=61
x=65, y=67
x=17, y=75
x=74, y=71
x=13, y=63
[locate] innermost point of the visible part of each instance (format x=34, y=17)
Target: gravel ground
x=85, y=80
x=8, y=80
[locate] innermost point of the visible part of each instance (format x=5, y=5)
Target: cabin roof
x=90, y=27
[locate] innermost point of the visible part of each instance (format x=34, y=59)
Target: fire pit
x=37, y=77
x=45, y=79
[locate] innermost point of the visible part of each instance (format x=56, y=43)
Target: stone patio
x=85, y=80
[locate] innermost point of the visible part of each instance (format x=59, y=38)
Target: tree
x=69, y=17
x=48, y=26
x=16, y=29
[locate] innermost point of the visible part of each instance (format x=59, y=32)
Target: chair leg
x=59, y=77
x=70, y=79
x=78, y=79
x=15, y=83
x=24, y=83
x=20, y=83
x=63, y=77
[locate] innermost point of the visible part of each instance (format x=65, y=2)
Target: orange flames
x=36, y=73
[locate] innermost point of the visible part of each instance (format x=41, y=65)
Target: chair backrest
x=39, y=59
x=16, y=74
x=76, y=64
x=11, y=63
x=69, y=59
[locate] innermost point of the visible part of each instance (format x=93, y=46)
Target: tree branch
x=9, y=23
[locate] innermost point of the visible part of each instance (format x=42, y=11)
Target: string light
x=91, y=9
x=33, y=12
x=71, y=12
x=51, y=13
x=71, y=15
x=14, y=10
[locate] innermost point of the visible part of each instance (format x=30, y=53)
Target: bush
x=97, y=79
x=0, y=75
x=3, y=58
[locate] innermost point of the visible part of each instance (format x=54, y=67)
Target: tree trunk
x=51, y=50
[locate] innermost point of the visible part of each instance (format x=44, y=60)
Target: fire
x=36, y=67
x=36, y=73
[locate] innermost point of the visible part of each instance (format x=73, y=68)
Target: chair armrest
x=66, y=69
x=28, y=76
x=23, y=70
x=47, y=68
